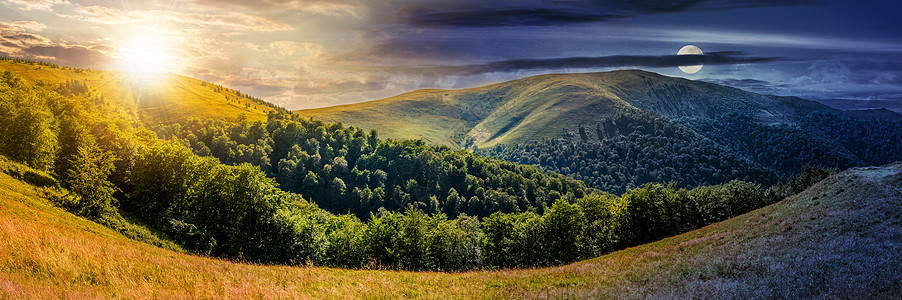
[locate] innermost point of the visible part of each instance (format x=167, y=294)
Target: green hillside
x=622, y=129
x=838, y=239
x=540, y=107
x=292, y=190
x=174, y=98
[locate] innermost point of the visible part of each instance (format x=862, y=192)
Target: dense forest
x=253, y=191
x=633, y=147
x=346, y=169
x=782, y=149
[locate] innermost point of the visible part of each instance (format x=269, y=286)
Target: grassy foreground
x=840, y=238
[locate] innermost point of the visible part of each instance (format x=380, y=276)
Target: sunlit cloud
x=15, y=41
x=313, y=53
x=45, y=5
x=29, y=25
x=351, y=8
x=231, y=20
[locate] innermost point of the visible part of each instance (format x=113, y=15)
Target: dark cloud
x=70, y=55
x=360, y=83
x=672, y=6
x=521, y=13
x=713, y=58
x=754, y=85
x=514, y=17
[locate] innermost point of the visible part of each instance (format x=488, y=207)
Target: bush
x=193, y=238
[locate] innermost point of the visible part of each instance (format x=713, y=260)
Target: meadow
x=840, y=238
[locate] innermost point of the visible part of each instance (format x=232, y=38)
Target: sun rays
x=146, y=53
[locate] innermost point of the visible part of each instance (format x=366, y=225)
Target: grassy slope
x=175, y=98
x=541, y=106
x=399, y=117
x=841, y=238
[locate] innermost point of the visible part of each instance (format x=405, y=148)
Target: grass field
x=841, y=238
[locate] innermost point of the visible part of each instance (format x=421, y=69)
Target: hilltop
x=622, y=129
x=840, y=238
x=168, y=99
x=540, y=107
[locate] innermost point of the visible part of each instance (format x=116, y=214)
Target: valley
x=839, y=238
x=104, y=198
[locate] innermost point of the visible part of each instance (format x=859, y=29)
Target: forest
x=634, y=147
x=346, y=169
x=294, y=191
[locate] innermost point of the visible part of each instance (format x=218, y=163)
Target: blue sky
x=313, y=53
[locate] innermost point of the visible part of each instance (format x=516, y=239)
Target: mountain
x=894, y=105
x=163, y=100
x=838, y=239
x=876, y=114
x=540, y=107
x=622, y=129
x=292, y=190
x=255, y=190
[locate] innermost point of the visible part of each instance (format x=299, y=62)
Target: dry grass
x=840, y=239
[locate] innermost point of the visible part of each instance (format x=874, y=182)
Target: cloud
x=760, y=39
x=45, y=5
x=548, y=13
x=29, y=25
x=713, y=58
x=494, y=18
x=70, y=55
x=15, y=36
x=754, y=85
x=321, y=7
x=14, y=41
x=232, y=20
x=672, y=6
x=333, y=83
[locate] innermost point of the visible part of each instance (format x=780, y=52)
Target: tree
x=412, y=243
x=345, y=242
x=383, y=235
x=563, y=226
x=27, y=131
x=87, y=177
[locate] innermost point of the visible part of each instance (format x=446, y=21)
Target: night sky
x=314, y=53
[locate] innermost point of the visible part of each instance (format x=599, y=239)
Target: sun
x=146, y=53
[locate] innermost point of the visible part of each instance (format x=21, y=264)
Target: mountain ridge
x=541, y=106
x=625, y=128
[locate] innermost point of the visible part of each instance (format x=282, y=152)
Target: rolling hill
x=540, y=107
x=622, y=129
x=841, y=238
x=172, y=98
x=92, y=159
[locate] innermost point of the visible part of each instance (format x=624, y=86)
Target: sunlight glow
x=146, y=53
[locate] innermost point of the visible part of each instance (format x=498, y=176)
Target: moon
x=690, y=50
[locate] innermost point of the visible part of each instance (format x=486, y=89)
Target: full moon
x=690, y=50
